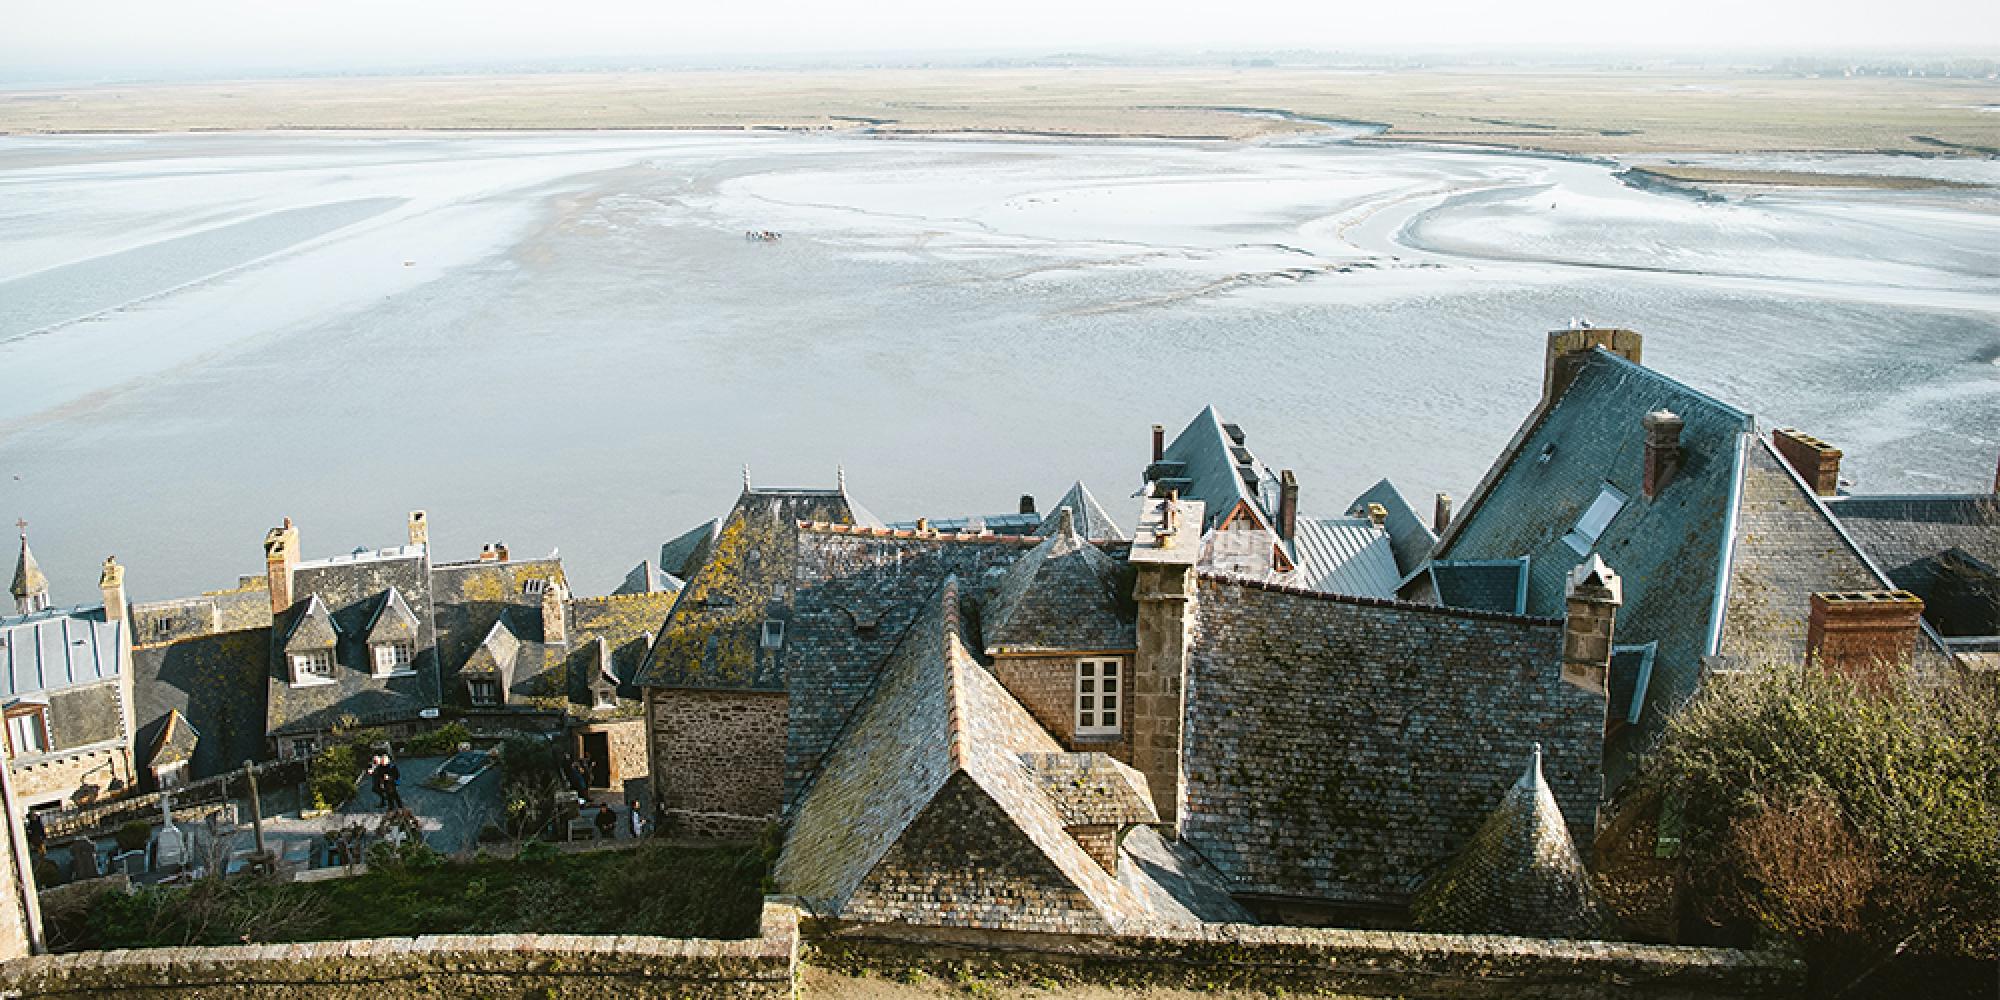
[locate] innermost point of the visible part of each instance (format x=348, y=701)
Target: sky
x=84, y=39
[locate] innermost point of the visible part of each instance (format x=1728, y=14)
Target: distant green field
x=1569, y=112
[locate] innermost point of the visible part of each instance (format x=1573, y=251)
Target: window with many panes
x=313, y=666
x=1099, y=694
x=484, y=691
x=393, y=656
x=27, y=730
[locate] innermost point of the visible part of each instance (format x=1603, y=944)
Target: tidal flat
x=563, y=339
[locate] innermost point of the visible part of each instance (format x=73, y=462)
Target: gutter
x=1716, y=612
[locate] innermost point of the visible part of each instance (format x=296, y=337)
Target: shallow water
x=565, y=339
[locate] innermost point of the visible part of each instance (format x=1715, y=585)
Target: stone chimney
x=1159, y=441
x=1441, y=514
x=1156, y=688
x=281, y=556
x=112, y=583
x=1288, y=505
x=1594, y=594
x=420, y=529
x=1378, y=514
x=1816, y=462
x=1027, y=503
x=1663, y=450
x=1866, y=635
x=555, y=613
x=1568, y=348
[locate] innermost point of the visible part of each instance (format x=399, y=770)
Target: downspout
x=1716, y=612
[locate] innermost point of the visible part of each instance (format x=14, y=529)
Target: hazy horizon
x=122, y=40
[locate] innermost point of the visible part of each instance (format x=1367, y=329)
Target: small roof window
x=774, y=633
x=1595, y=519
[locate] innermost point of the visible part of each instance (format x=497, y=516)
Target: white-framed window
x=27, y=730
x=484, y=690
x=393, y=656
x=1595, y=519
x=774, y=633
x=1100, y=695
x=303, y=747
x=315, y=665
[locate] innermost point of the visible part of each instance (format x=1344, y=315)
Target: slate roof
x=683, y=556
x=175, y=743
x=1062, y=595
x=393, y=619
x=646, y=578
x=927, y=813
x=350, y=589
x=1484, y=584
x=1339, y=747
x=1669, y=551
x=858, y=591
x=1410, y=536
x=219, y=679
x=495, y=654
x=1631, y=674
x=1910, y=537
x=1344, y=555
x=1206, y=463
x=999, y=524
x=1090, y=518
x=312, y=628
x=1785, y=548
x=56, y=649
x=468, y=597
x=712, y=639
x=1092, y=789
x=1519, y=875
x=625, y=624
x=28, y=578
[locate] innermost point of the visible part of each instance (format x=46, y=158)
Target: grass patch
x=658, y=889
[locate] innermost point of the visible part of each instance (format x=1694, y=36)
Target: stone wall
x=436, y=967
x=627, y=737
x=102, y=769
x=1313, y=961
x=1046, y=686
x=719, y=760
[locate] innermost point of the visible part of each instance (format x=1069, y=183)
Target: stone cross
x=171, y=849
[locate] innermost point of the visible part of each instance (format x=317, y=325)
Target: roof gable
x=393, y=620
x=1064, y=594
x=1089, y=517
x=1409, y=537
x=312, y=629
x=1207, y=464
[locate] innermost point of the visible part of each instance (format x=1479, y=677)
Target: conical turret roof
x=1520, y=874
x=28, y=578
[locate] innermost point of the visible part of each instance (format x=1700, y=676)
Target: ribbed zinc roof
x=1345, y=555
x=52, y=650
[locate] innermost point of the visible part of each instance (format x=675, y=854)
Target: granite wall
x=719, y=760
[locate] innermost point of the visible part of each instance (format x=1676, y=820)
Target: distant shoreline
x=1592, y=114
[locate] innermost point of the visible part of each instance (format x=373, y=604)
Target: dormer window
x=774, y=633
x=27, y=729
x=1595, y=519
x=484, y=690
x=394, y=657
x=1098, y=696
x=533, y=586
x=312, y=666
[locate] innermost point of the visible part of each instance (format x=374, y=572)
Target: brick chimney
x=555, y=608
x=1441, y=514
x=1865, y=634
x=1027, y=503
x=281, y=556
x=112, y=583
x=1816, y=462
x=1568, y=348
x=1159, y=441
x=1663, y=450
x=486, y=553
x=1288, y=505
x=1591, y=615
x=1156, y=688
x=500, y=551
x=420, y=529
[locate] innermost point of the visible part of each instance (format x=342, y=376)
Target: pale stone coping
x=773, y=955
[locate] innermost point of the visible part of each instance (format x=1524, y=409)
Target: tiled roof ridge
x=469, y=563
x=955, y=656
x=622, y=597
x=1374, y=602
x=1912, y=497
x=862, y=530
x=1603, y=356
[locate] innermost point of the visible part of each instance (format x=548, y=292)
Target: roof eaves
x=1376, y=602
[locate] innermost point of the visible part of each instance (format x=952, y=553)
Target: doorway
x=596, y=749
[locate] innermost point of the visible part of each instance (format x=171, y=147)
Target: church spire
x=31, y=588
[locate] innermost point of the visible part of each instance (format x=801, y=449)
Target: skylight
x=1594, y=520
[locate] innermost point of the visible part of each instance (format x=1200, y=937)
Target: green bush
x=134, y=836
x=536, y=851
x=333, y=773
x=438, y=742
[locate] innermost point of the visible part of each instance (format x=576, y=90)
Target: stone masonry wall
x=63, y=774
x=434, y=967
x=629, y=760
x=719, y=760
x=1313, y=961
x=1046, y=686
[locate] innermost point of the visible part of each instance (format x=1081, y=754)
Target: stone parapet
x=434, y=966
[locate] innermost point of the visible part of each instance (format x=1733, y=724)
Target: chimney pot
x=1378, y=514
x=1663, y=450
x=1816, y=462
x=420, y=529
x=500, y=551
x=1441, y=516
x=1288, y=505
x=1027, y=503
x=923, y=524
x=1159, y=441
